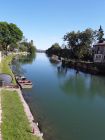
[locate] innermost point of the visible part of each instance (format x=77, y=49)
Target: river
x=68, y=105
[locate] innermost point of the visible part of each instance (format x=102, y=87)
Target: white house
x=99, y=52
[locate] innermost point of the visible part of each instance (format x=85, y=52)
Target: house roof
x=100, y=44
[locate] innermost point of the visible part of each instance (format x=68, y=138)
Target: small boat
x=23, y=82
x=23, y=86
x=55, y=59
x=20, y=77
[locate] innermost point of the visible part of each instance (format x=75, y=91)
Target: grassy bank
x=5, y=68
x=15, y=124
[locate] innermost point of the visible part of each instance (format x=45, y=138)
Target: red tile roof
x=100, y=44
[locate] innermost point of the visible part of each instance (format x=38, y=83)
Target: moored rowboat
x=23, y=82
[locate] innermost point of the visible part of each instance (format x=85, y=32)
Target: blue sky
x=46, y=21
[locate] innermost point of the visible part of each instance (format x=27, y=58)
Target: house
x=99, y=52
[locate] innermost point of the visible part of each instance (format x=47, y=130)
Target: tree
x=55, y=46
x=9, y=33
x=15, y=33
x=72, y=39
x=54, y=49
x=79, y=38
x=13, y=46
x=22, y=47
x=80, y=42
x=31, y=48
x=28, y=47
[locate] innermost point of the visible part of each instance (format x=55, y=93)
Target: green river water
x=67, y=105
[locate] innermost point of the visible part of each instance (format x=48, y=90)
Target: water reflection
x=20, y=60
x=17, y=67
x=61, y=71
x=83, y=84
x=26, y=59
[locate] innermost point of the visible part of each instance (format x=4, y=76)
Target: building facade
x=99, y=52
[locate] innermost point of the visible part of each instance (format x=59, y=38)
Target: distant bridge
x=40, y=51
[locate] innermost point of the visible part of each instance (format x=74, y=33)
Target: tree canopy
x=55, y=46
x=80, y=42
x=54, y=49
x=79, y=38
x=9, y=34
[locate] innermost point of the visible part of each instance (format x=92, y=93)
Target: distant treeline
x=78, y=44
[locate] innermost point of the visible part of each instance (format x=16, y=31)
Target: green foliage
x=26, y=59
x=31, y=48
x=15, y=33
x=23, y=47
x=79, y=38
x=15, y=125
x=9, y=33
x=54, y=49
x=13, y=46
x=80, y=42
x=55, y=46
x=72, y=38
x=4, y=34
x=27, y=46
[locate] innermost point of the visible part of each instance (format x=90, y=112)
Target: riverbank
x=12, y=116
x=84, y=66
x=20, y=120
x=90, y=67
x=33, y=125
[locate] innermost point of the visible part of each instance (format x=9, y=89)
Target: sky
x=47, y=21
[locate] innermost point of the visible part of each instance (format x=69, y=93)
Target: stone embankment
x=34, y=126
x=84, y=66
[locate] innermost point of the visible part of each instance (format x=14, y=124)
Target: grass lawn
x=15, y=124
x=4, y=67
